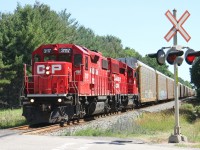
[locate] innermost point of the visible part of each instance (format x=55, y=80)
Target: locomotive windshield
x=50, y=57
x=64, y=54
x=64, y=57
x=59, y=57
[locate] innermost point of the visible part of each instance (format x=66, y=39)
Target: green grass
x=157, y=127
x=11, y=118
x=153, y=123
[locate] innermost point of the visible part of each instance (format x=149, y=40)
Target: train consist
x=69, y=82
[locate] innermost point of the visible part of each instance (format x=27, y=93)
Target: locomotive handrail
x=42, y=77
x=39, y=77
x=73, y=81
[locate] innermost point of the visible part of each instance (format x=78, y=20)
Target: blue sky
x=140, y=24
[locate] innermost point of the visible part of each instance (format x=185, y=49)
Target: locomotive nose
x=52, y=77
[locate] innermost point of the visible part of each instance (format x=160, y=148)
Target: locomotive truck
x=69, y=82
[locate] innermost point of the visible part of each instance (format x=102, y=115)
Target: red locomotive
x=69, y=82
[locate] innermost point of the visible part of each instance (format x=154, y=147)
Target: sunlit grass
x=156, y=122
x=11, y=118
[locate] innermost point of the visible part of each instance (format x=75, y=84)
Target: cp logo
x=41, y=69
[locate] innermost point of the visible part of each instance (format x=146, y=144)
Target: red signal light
x=190, y=56
x=171, y=59
x=190, y=59
x=172, y=55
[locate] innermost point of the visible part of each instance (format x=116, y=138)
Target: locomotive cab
x=51, y=71
x=47, y=90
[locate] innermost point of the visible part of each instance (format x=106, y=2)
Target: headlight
x=32, y=100
x=47, y=72
x=47, y=67
x=59, y=100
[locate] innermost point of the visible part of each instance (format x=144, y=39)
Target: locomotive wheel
x=68, y=122
x=62, y=124
x=123, y=110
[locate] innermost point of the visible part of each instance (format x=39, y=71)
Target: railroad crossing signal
x=173, y=56
x=177, y=26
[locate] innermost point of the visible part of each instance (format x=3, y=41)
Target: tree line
x=30, y=26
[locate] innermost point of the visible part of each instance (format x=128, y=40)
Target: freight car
x=153, y=86
x=69, y=82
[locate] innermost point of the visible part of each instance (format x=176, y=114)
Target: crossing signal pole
x=177, y=137
x=174, y=57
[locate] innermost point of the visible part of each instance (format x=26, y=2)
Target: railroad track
x=26, y=129
x=41, y=129
x=55, y=127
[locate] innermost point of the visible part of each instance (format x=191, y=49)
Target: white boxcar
x=161, y=86
x=170, y=88
x=147, y=83
x=181, y=91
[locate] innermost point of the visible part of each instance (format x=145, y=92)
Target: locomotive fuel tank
x=95, y=108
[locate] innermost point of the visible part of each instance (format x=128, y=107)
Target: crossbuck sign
x=177, y=26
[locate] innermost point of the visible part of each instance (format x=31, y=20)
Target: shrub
x=187, y=107
x=197, y=110
x=188, y=111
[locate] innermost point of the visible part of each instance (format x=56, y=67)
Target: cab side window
x=104, y=64
x=129, y=73
x=77, y=60
x=86, y=63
